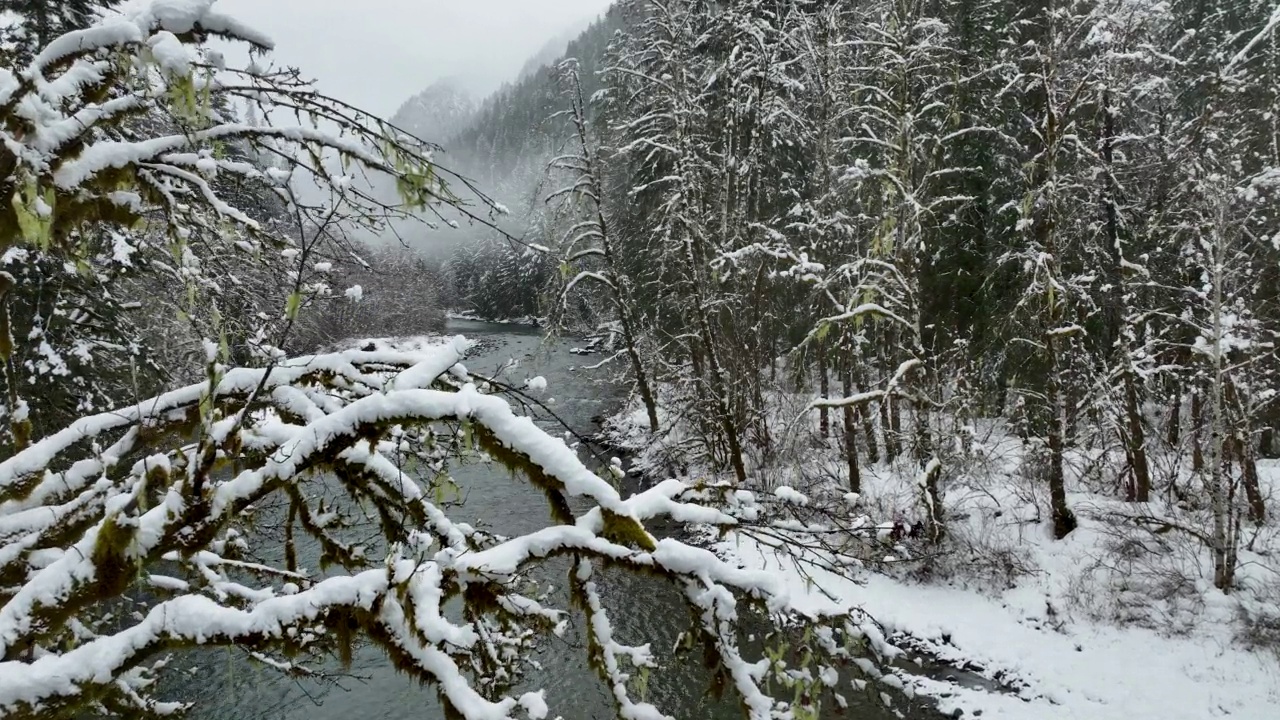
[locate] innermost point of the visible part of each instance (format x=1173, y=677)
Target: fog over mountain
x=554, y=49
x=438, y=112
x=502, y=139
x=449, y=104
x=377, y=53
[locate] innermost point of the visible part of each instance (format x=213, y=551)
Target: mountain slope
x=437, y=113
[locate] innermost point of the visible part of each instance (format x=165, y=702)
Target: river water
x=226, y=686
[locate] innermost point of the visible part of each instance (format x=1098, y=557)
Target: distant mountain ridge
x=504, y=139
x=553, y=51
x=437, y=113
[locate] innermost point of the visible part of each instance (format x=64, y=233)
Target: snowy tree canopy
x=31, y=24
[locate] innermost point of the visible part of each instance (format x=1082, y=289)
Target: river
x=226, y=686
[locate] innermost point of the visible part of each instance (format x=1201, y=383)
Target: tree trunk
x=1219, y=496
x=618, y=286
x=864, y=411
x=1246, y=451
x=885, y=441
x=850, y=441
x=1119, y=330
x=1139, y=470
x=1064, y=520
x=888, y=425
x=869, y=432
x=1173, y=431
x=718, y=387
x=889, y=429
x=931, y=496
x=930, y=465
x=923, y=449
x=19, y=426
x=637, y=367
x=1197, y=422
x=824, y=387
x=1247, y=454
x=895, y=424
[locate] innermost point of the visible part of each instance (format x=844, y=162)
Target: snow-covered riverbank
x=1062, y=667
x=523, y=321
x=1115, y=622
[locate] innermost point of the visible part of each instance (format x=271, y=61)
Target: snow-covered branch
x=75, y=533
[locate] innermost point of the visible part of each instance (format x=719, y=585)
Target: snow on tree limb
x=75, y=145
x=1243, y=54
x=132, y=506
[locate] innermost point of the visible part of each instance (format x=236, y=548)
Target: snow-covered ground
x=1063, y=668
x=526, y=320
x=1114, y=622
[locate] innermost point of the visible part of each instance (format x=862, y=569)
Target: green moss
x=519, y=463
x=22, y=487
x=627, y=531
x=482, y=598
x=344, y=625
x=116, y=571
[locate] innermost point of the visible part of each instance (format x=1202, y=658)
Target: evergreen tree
x=937, y=210
x=36, y=22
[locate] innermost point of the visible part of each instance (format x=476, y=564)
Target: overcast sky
x=378, y=53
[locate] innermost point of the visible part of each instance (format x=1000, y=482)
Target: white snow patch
x=790, y=495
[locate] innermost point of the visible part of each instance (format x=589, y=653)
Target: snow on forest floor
x=1062, y=668
x=1112, y=622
